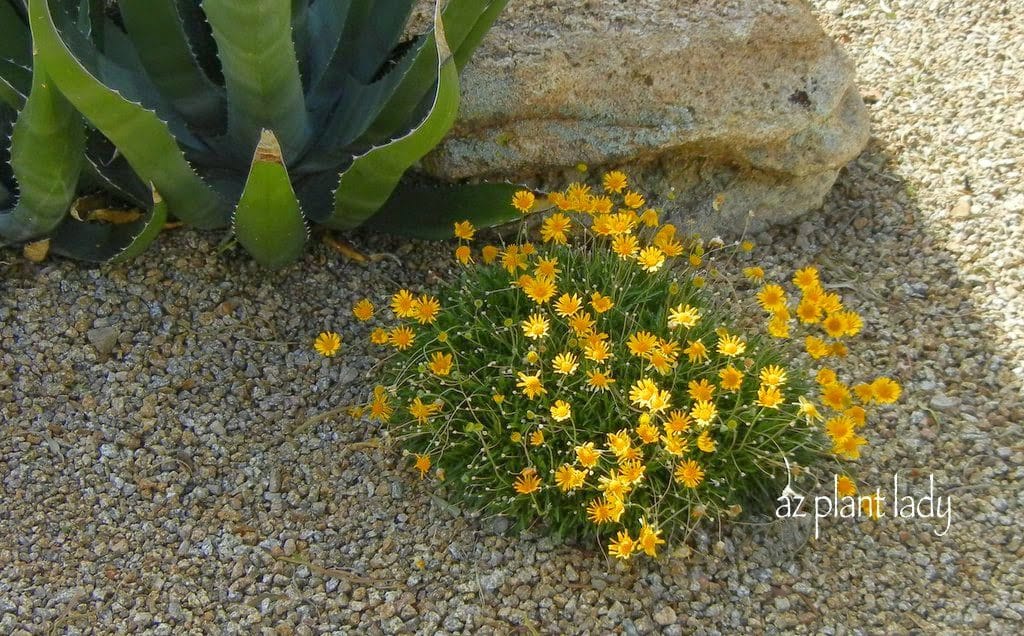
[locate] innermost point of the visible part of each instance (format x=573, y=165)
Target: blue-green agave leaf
x=261, y=71
x=107, y=169
x=268, y=221
x=200, y=38
x=158, y=34
x=103, y=242
x=429, y=211
x=15, y=82
x=47, y=145
x=15, y=43
x=325, y=23
x=143, y=139
x=368, y=183
x=465, y=21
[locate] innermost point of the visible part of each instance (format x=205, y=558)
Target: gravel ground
x=152, y=479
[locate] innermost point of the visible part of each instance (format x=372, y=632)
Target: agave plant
x=262, y=115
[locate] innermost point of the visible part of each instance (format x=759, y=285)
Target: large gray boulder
x=744, y=109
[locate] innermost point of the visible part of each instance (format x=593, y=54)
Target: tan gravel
x=160, y=488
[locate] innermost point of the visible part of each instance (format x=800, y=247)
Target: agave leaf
x=200, y=39
x=91, y=20
x=300, y=35
x=107, y=169
x=378, y=35
x=334, y=25
x=368, y=183
x=143, y=139
x=15, y=44
x=102, y=242
x=9, y=95
x=115, y=62
x=268, y=220
x=326, y=24
x=158, y=33
x=7, y=115
x=429, y=211
x=465, y=21
x=261, y=71
x=46, y=156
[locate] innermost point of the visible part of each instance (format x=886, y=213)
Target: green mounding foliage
x=263, y=115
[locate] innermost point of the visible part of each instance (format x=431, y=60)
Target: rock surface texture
x=749, y=99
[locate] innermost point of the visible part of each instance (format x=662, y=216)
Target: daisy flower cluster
x=583, y=379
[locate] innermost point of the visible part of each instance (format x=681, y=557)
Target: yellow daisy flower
x=523, y=201
x=651, y=259
x=464, y=230
x=536, y=326
x=649, y=539
x=489, y=253
x=701, y=391
x=773, y=375
x=402, y=303
x=845, y=486
x=561, y=411
x=599, y=380
x=633, y=200
x=587, y=455
x=625, y=245
x=401, y=338
x=806, y=277
x=565, y=363
x=731, y=378
x=531, y=385
x=568, y=305
x=440, y=363
x=379, y=336
x=555, y=228
x=772, y=297
x=683, y=316
x=363, y=310
x=423, y=412
x=642, y=343
x=615, y=181
x=754, y=274
x=527, y=482
x=547, y=267
x=885, y=390
x=703, y=412
x=689, y=473
x=327, y=343
x=705, y=443
x=422, y=464
x=622, y=547
x=731, y=345
x=425, y=309
x=600, y=303
x=769, y=397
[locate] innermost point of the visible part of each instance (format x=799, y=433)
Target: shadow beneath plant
x=958, y=420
